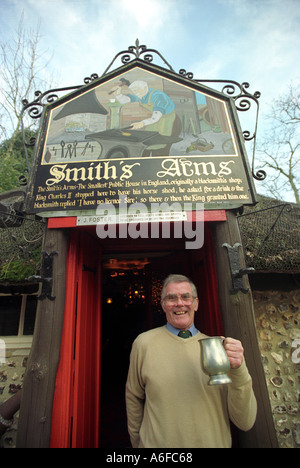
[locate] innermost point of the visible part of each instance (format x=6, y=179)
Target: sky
x=254, y=41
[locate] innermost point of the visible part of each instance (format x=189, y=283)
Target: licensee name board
x=125, y=218
x=140, y=136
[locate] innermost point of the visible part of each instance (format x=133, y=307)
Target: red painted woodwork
x=60, y=223
x=211, y=322
x=76, y=408
x=62, y=413
x=207, y=216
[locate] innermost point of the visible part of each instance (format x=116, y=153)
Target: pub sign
x=141, y=135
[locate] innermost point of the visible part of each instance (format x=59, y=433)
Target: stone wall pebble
x=11, y=381
x=277, y=315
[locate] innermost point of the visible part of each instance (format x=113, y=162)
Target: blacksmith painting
x=136, y=115
x=143, y=134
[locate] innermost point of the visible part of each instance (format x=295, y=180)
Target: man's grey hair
x=177, y=279
x=138, y=84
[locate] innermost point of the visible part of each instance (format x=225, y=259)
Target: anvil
x=126, y=143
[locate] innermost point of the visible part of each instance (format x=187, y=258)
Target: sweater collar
x=175, y=331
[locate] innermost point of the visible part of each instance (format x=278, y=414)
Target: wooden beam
x=39, y=382
x=238, y=320
x=64, y=222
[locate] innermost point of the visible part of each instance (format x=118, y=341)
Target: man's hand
x=115, y=91
x=137, y=126
x=234, y=351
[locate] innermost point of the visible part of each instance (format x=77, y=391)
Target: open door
x=89, y=318
x=76, y=408
x=132, y=283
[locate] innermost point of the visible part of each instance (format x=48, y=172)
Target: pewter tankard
x=215, y=361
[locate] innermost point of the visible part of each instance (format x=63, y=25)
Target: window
x=17, y=315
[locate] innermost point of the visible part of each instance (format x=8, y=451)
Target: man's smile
x=180, y=305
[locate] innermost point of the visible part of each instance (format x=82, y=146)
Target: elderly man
x=155, y=101
x=169, y=402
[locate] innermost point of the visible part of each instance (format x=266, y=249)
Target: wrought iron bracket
x=237, y=272
x=283, y=206
x=46, y=277
x=238, y=92
x=11, y=213
x=9, y=217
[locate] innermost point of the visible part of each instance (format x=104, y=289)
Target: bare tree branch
x=280, y=149
x=21, y=73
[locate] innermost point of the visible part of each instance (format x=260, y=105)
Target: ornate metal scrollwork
x=91, y=78
x=239, y=93
x=137, y=52
x=183, y=72
x=35, y=108
x=243, y=101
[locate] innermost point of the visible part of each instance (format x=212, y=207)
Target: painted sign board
x=140, y=135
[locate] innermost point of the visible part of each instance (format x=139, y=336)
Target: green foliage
x=18, y=269
x=13, y=160
x=20, y=252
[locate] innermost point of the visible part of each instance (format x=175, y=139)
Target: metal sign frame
x=47, y=103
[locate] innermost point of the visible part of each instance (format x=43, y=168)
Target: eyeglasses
x=185, y=298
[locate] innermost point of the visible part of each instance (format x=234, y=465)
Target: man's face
x=179, y=305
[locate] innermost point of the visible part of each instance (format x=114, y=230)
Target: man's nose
x=179, y=301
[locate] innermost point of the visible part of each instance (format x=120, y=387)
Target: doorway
x=130, y=306
x=112, y=295
x=131, y=288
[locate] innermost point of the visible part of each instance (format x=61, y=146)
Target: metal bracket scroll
x=46, y=277
x=238, y=92
x=237, y=272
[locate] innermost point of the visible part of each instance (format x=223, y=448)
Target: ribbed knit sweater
x=168, y=399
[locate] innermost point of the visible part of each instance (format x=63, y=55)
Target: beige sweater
x=169, y=403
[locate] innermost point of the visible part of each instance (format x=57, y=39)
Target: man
x=169, y=402
x=157, y=103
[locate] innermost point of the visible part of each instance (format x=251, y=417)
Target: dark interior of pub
x=130, y=305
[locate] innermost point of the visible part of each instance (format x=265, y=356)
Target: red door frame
x=76, y=406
